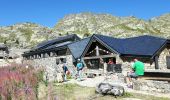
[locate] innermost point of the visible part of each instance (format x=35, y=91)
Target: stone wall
x=162, y=58
x=127, y=64
x=50, y=66
x=152, y=86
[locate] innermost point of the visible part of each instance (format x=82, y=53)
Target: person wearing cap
x=79, y=67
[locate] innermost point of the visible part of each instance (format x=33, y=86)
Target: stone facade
x=162, y=58
x=149, y=64
x=51, y=65
x=127, y=63
x=152, y=86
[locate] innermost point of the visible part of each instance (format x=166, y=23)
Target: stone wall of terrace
x=50, y=65
x=152, y=86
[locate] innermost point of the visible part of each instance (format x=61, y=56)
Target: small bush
x=127, y=94
x=18, y=82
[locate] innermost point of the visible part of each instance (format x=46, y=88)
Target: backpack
x=81, y=66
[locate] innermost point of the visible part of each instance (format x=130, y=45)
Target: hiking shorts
x=132, y=75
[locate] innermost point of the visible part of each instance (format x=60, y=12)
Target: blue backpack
x=79, y=66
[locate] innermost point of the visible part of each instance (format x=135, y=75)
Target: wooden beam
x=101, y=56
x=156, y=62
x=97, y=51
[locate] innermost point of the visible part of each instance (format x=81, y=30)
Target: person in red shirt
x=110, y=61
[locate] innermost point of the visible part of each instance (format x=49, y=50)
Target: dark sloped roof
x=142, y=45
x=45, y=44
x=59, y=45
x=78, y=47
x=114, y=43
x=55, y=44
x=135, y=46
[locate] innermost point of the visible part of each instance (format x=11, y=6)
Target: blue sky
x=48, y=12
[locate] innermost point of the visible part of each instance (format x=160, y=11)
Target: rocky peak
x=26, y=35
x=85, y=24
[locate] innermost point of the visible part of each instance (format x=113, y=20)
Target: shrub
x=18, y=82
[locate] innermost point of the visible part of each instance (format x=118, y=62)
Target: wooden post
x=51, y=54
x=156, y=62
x=41, y=55
x=31, y=57
x=46, y=55
x=34, y=56
x=38, y=56
x=105, y=67
x=118, y=60
x=97, y=51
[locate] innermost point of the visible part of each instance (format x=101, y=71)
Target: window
x=63, y=60
x=94, y=63
x=60, y=60
x=57, y=61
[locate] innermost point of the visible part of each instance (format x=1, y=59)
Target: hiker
x=65, y=71
x=110, y=65
x=79, y=67
x=110, y=61
x=137, y=70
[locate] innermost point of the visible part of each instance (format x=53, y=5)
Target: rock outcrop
x=23, y=35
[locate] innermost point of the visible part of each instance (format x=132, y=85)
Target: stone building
x=51, y=55
x=153, y=51
x=95, y=52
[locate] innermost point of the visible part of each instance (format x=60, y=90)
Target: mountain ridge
x=27, y=35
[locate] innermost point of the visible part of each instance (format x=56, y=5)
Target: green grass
x=75, y=92
x=146, y=97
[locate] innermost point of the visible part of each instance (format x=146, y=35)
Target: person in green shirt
x=138, y=69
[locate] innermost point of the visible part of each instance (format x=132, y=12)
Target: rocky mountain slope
x=23, y=35
x=86, y=24
x=26, y=35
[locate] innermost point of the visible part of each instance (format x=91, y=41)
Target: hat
x=78, y=59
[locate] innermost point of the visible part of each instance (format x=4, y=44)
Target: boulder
x=110, y=89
